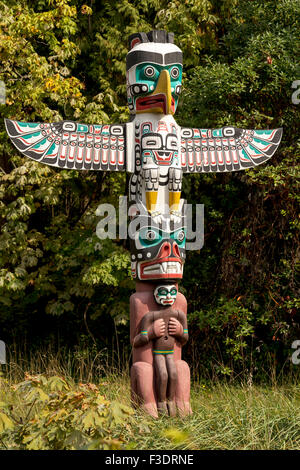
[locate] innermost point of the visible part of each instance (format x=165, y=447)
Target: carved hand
x=157, y=329
x=174, y=327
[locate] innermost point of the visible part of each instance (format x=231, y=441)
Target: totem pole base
x=146, y=386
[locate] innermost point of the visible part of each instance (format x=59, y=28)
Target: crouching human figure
x=162, y=327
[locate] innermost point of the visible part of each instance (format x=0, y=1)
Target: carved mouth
x=172, y=105
x=164, y=158
x=166, y=269
x=155, y=101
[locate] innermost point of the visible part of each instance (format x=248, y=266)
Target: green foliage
x=49, y=414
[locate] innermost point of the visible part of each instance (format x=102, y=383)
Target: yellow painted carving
x=151, y=200
x=174, y=199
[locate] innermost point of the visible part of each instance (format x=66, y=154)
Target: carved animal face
x=154, y=76
x=157, y=250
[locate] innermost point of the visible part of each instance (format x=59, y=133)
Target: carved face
x=165, y=294
x=157, y=250
x=160, y=147
x=154, y=76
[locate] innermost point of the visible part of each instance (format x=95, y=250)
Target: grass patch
x=225, y=415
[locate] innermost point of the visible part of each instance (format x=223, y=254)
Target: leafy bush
x=47, y=413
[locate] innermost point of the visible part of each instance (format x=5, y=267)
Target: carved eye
x=180, y=236
x=162, y=291
x=138, y=88
x=175, y=72
x=151, y=141
x=173, y=291
x=171, y=142
x=150, y=235
x=149, y=71
x=178, y=89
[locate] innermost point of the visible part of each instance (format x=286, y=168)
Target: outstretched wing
x=71, y=145
x=226, y=149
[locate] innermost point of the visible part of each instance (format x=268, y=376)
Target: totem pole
x=156, y=151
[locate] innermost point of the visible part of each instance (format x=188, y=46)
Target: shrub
x=50, y=414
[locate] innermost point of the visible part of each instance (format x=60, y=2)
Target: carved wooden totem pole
x=156, y=151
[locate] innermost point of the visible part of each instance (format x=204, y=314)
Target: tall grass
x=85, y=362
x=231, y=417
x=227, y=413
x=81, y=364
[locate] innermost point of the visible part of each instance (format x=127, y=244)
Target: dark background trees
x=64, y=59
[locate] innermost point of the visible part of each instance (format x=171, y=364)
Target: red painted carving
x=159, y=383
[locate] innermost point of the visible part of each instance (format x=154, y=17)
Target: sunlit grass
x=225, y=416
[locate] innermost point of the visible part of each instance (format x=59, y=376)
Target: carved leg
x=151, y=178
x=161, y=380
x=183, y=388
x=172, y=382
x=142, y=387
x=175, y=176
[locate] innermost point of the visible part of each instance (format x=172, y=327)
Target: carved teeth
x=167, y=267
x=171, y=267
x=152, y=269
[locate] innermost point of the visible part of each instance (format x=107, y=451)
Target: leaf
x=3, y=404
x=144, y=428
x=120, y=412
x=37, y=393
x=175, y=435
x=89, y=419
x=5, y=422
x=57, y=384
x=34, y=443
x=75, y=439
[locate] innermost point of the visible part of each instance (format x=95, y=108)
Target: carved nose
x=165, y=250
x=176, y=250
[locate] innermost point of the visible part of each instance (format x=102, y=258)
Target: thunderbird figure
x=152, y=147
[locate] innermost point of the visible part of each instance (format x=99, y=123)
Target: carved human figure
x=162, y=327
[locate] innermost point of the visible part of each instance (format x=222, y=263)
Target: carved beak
x=161, y=100
x=164, y=87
